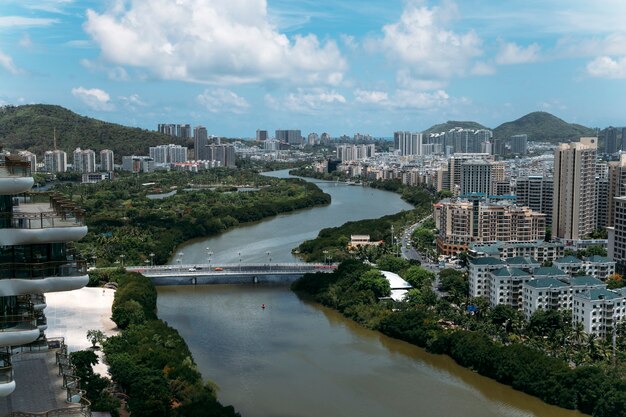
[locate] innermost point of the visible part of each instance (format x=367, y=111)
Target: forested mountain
x=539, y=126
x=32, y=127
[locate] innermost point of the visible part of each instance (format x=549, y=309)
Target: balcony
x=15, y=176
x=29, y=278
x=42, y=218
x=18, y=328
x=7, y=385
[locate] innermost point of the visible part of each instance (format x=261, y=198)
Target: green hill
x=543, y=127
x=31, y=127
x=451, y=124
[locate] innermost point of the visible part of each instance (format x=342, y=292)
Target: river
x=298, y=359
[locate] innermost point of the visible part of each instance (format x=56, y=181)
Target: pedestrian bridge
x=244, y=273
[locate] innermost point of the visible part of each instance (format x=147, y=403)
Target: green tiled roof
x=510, y=272
x=568, y=260
x=486, y=261
x=598, y=259
x=520, y=260
x=598, y=293
x=585, y=280
x=546, y=283
x=549, y=270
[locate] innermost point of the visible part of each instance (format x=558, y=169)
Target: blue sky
x=340, y=66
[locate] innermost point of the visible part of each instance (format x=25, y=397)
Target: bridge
x=239, y=273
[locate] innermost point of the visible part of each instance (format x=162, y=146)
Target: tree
x=128, y=313
x=391, y=263
x=373, y=280
x=417, y=276
x=615, y=281
x=95, y=337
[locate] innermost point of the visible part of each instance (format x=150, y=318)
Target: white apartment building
x=599, y=310
x=107, y=160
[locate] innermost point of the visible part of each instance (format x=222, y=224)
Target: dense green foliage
x=542, y=127
x=122, y=220
x=97, y=388
x=31, y=127
x=151, y=362
x=135, y=300
x=548, y=357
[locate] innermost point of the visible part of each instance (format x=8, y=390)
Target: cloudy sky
x=341, y=66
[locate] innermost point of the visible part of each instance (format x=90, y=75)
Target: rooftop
x=600, y=294
x=546, y=283
x=549, y=271
x=486, y=261
x=598, y=259
x=510, y=272
x=586, y=280
x=520, y=260
x=568, y=260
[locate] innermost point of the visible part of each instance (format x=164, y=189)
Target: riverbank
x=419, y=321
x=126, y=227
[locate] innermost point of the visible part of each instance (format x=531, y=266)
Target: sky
x=340, y=66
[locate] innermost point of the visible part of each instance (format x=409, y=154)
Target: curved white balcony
x=7, y=388
x=10, y=185
x=13, y=237
x=18, y=286
x=18, y=330
x=7, y=384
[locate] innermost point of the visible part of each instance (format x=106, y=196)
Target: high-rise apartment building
x=519, y=144
x=292, y=137
x=107, y=160
x=535, y=192
x=84, y=161
x=200, y=143
x=34, y=259
x=476, y=177
x=573, y=210
x=408, y=143
x=612, y=144
x=223, y=154
x=617, y=186
x=454, y=169
x=463, y=221
x=55, y=161
x=168, y=154
x=355, y=152
x=261, y=135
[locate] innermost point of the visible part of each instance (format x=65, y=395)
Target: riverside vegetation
x=547, y=357
x=122, y=220
x=148, y=360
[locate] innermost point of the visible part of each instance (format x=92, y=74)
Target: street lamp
x=239, y=261
x=325, y=256
x=180, y=259
x=269, y=257
x=152, y=259
x=122, y=260
x=94, y=257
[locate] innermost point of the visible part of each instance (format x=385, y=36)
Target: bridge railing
x=231, y=268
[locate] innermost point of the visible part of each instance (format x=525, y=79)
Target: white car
x=192, y=269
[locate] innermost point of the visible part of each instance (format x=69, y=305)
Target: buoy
x=263, y=306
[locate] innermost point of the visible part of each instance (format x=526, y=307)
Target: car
x=217, y=268
x=192, y=269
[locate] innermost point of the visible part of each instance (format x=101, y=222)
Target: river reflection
x=299, y=359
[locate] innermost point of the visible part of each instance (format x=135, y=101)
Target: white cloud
x=21, y=21
x=95, y=98
x=132, y=102
x=6, y=62
x=211, y=41
x=482, y=68
x=371, y=96
x=511, y=53
x=420, y=39
x=404, y=99
x=222, y=100
x=607, y=67
x=312, y=100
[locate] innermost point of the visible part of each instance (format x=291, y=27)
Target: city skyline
x=341, y=67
